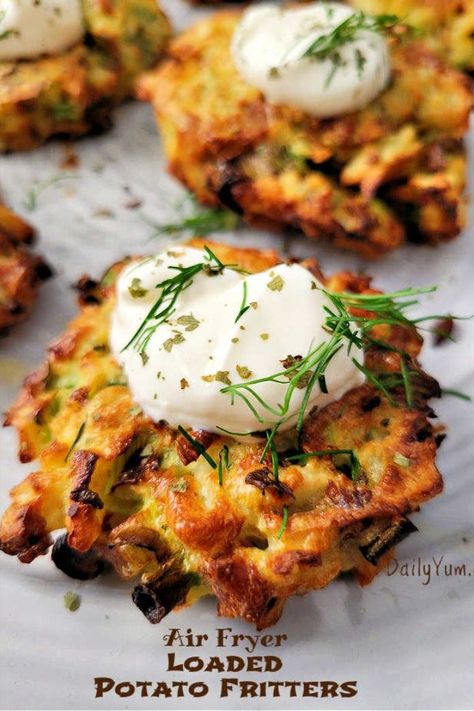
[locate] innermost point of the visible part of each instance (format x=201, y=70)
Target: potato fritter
x=447, y=26
x=73, y=93
x=366, y=180
x=21, y=271
x=138, y=495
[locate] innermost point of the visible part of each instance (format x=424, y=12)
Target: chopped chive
x=456, y=393
x=78, y=436
x=284, y=522
x=244, y=307
x=223, y=462
x=401, y=460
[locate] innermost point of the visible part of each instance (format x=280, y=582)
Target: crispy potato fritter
x=137, y=495
x=367, y=180
x=73, y=93
x=21, y=271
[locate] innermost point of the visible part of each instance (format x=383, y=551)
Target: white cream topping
x=31, y=28
x=268, y=48
x=190, y=358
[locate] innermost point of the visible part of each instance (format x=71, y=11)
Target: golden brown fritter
x=366, y=180
x=21, y=271
x=137, y=494
x=447, y=26
x=73, y=93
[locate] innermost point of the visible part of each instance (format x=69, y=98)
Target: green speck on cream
x=276, y=284
x=243, y=371
x=136, y=289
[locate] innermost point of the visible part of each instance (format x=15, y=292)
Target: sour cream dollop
x=268, y=48
x=31, y=28
x=203, y=347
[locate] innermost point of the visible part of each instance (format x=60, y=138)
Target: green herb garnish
x=169, y=343
x=244, y=307
x=223, y=462
x=284, y=522
x=271, y=447
x=456, y=393
x=31, y=198
x=202, y=222
x=198, y=447
x=65, y=110
x=401, y=460
x=171, y=289
x=345, y=330
x=72, y=601
x=221, y=376
x=136, y=289
x=244, y=372
x=326, y=45
x=189, y=322
x=78, y=436
x=276, y=283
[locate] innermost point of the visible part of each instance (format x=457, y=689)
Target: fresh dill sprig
x=374, y=380
x=202, y=222
x=244, y=307
x=284, y=522
x=7, y=33
x=78, y=436
x=270, y=447
x=171, y=289
x=223, y=462
x=325, y=46
x=31, y=199
x=198, y=447
x=350, y=319
x=456, y=393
